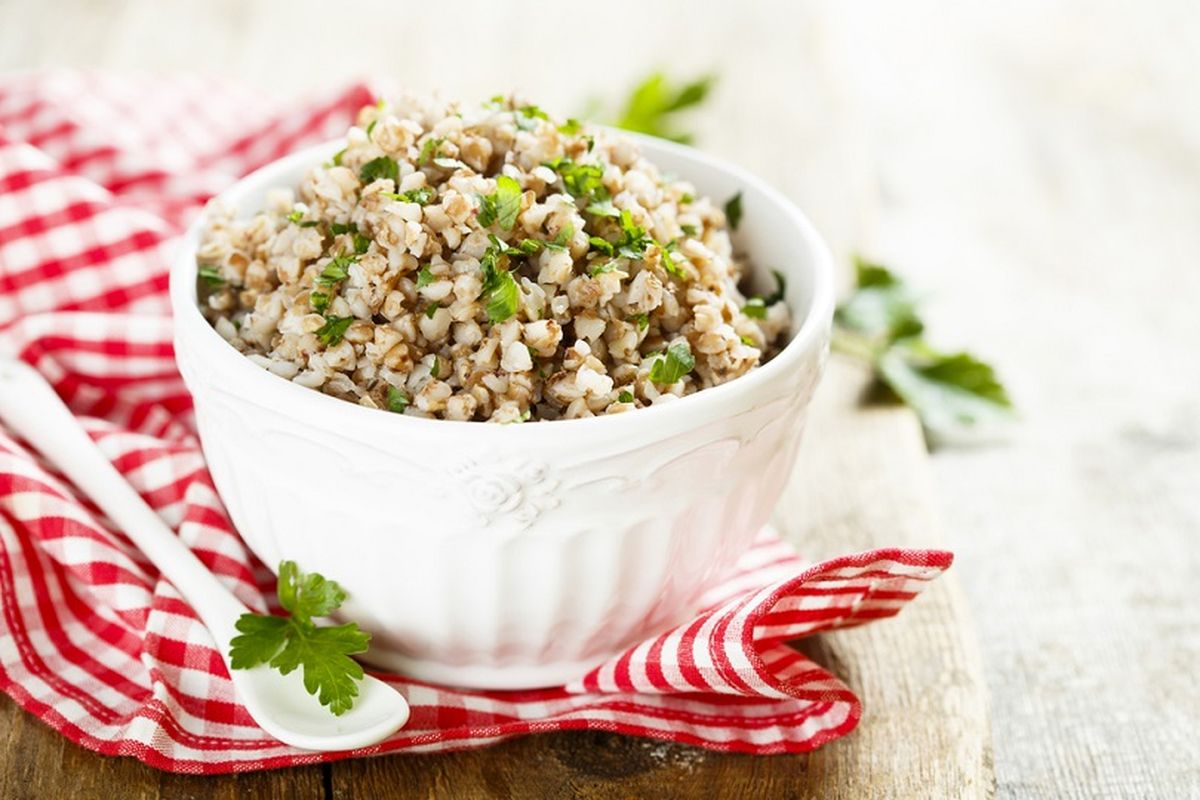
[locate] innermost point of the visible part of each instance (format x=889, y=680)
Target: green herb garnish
x=756, y=307
x=377, y=168
x=688, y=230
x=431, y=309
x=625, y=396
x=600, y=269
x=337, y=269
x=210, y=275
x=654, y=104
x=949, y=391
x=333, y=330
x=287, y=642
x=424, y=277
x=397, y=400
x=641, y=320
x=319, y=301
x=571, y=127
x=733, y=210
x=601, y=245
x=420, y=196
x=677, y=362
x=429, y=150
x=502, y=205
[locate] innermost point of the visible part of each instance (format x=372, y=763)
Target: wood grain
x=863, y=481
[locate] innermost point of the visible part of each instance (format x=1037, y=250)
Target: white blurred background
x=1033, y=166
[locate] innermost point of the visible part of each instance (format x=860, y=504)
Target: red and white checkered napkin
x=97, y=173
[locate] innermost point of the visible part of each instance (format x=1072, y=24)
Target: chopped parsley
x=336, y=161
x=733, y=210
x=432, y=309
x=636, y=239
x=502, y=296
x=295, y=216
x=424, y=277
x=756, y=307
x=571, y=127
x=210, y=275
x=371, y=127
x=581, y=180
x=319, y=301
x=377, y=168
x=338, y=228
x=688, y=230
x=397, y=400
x=337, y=269
x=625, y=396
x=421, y=196
x=601, y=245
x=532, y=112
x=429, y=150
x=559, y=242
x=500, y=292
x=287, y=642
x=333, y=330
x=600, y=269
x=677, y=362
x=603, y=208
x=502, y=205
x=641, y=320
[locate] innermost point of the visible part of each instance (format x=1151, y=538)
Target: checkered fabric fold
x=97, y=175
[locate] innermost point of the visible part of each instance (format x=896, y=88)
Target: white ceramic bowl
x=512, y=556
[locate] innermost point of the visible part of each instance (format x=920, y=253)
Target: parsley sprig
x=654, y=105
x=879, y=323
x=285, y=643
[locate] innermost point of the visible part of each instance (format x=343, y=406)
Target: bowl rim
x=307, y=403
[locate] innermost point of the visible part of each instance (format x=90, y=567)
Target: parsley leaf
x=376, y=168
x=502, y=205
x=571, y=127
x=581, y=180
x=655, y=103
x=502, y=296
x=601, y=245
x=756, y=307
x=429, y=150
x=424, y=277
x=733, y=210
x=210, y=275
x=641, y=320
x=397, y=400
x=688, y=230
x=421, y=196
x=882, y=310
x=319, y=301
x=337, y=269
x=295, y=641
x=333, y=330
x=625, y=396
x=949, y=391
x=600, y=269
x=677, y=362
x=636, y=240
x=432, y=309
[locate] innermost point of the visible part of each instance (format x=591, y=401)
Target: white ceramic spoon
x=278, y=703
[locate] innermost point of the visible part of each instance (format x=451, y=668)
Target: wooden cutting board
x=863, y=481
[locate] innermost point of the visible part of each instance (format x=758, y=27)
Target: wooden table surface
x=864, y=480
x=1032, y=164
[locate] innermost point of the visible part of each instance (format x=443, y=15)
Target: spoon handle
x=30, y=408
